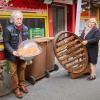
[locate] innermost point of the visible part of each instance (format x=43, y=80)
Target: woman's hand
x=15, y=53
x=84, y=42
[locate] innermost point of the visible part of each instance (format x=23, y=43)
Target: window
x=36, y=26
x=58, y=19
x=37, y=23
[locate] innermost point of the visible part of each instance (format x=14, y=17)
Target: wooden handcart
x=71, y=54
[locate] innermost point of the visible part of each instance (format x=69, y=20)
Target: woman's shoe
x=23, y=89
x=92, y=77
x=18, y=93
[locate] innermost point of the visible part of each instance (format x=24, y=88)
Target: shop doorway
x=58, y=19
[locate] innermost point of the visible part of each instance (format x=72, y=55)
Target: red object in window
x=2, y=55
x=85, y=13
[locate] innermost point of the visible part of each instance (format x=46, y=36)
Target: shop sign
x=64, y=1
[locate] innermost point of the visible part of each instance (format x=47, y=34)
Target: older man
x=13, y=35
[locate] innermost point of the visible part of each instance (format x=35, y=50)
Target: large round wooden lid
x=70, y=52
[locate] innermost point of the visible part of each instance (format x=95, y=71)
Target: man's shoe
x=23, y=89
x=18, y=93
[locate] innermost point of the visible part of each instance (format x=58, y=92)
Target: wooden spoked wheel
x=70, y=52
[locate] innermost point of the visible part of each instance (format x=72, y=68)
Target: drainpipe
x=78, y=17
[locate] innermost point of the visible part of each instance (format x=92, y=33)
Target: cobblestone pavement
x=61, y=87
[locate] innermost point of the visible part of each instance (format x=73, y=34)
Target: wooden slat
x=71, y=54
x=65, y=40
x=67, y=45
x=71, y=65
x=68, y=51
x=72, y=60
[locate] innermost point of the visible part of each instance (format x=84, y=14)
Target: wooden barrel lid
x=70, y=52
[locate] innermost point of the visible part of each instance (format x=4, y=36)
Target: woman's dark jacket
x=11, y=40
x=92, y=46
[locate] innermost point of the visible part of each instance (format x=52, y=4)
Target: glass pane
x=3, y=23
x=36, y=26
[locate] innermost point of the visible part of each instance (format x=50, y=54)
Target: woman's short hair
x=15, y=14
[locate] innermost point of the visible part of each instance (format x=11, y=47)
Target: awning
x=28, y=4
x=24, y=5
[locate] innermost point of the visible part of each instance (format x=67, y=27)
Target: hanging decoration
x=4, y=3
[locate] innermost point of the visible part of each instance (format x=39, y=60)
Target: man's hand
x=15, y=53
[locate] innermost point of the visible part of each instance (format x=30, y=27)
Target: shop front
x=44, y=18
x=35, y=16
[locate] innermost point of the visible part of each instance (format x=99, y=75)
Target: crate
x=36, y=32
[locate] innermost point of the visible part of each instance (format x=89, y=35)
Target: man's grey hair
x=15, y=14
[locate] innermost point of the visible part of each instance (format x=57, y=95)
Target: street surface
x=61, y=87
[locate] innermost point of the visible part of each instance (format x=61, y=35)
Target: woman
x=13, y=35
x=90, y=37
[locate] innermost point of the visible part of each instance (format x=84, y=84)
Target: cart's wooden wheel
x=70, y=52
